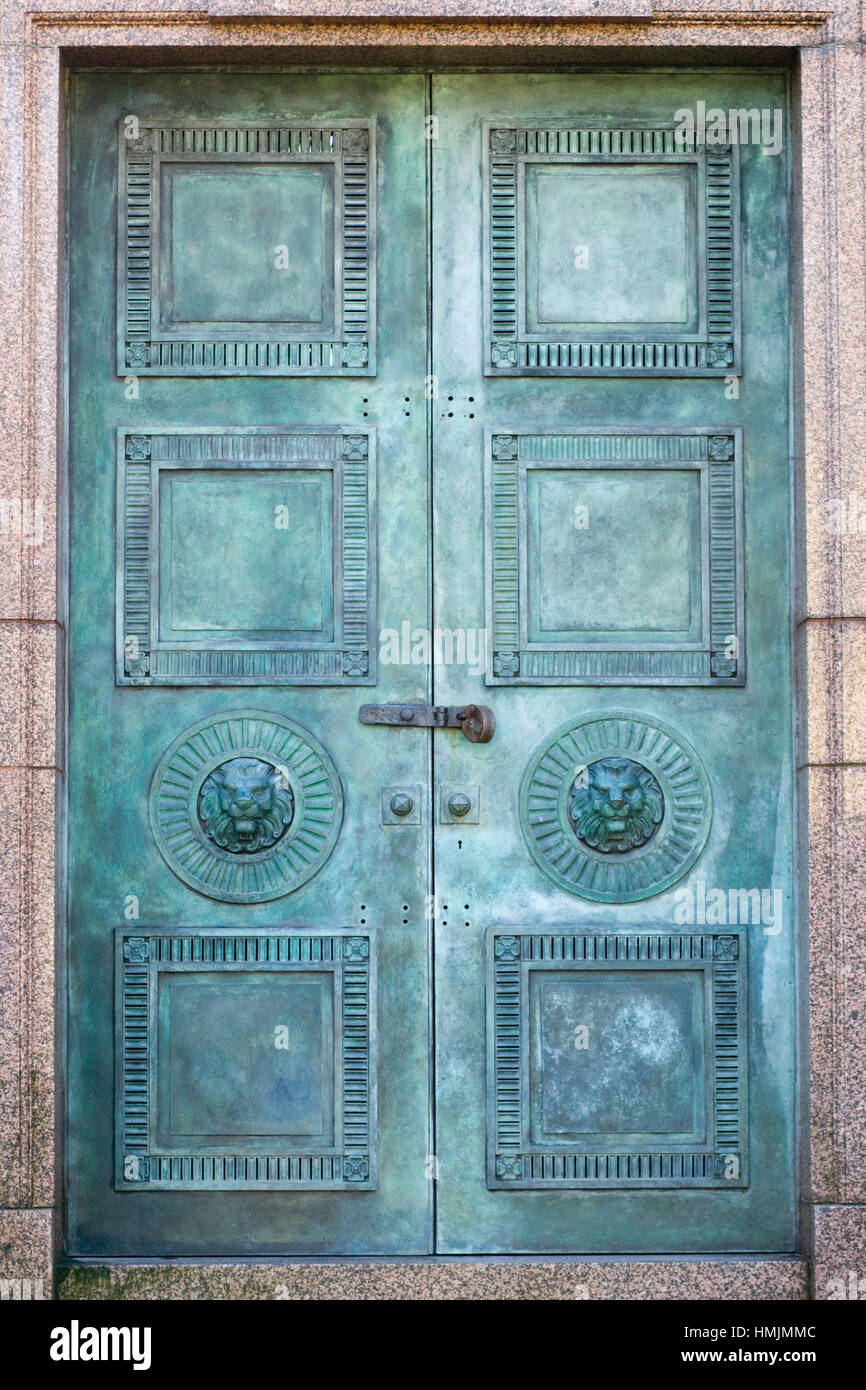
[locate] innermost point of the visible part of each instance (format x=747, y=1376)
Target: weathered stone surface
x=27, y=1038
x=28, y=682
x=834, y=799
x=832, y=665
x=564, y=1280
x=839, y=1242
x=26, y=1261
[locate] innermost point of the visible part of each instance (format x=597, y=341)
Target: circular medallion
x=615, y=807
x=246, y=806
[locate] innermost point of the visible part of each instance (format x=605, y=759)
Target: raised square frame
x=717, y=657
x=708, y=348
x=348, y=657
x=515, y=1160
x=142, y=1164
x=345, y=346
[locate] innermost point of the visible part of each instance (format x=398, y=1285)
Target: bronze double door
x=420, y=393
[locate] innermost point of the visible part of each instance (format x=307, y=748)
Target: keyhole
x=459, y=844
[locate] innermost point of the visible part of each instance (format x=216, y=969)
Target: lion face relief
x=245, y=805
x=616, y=805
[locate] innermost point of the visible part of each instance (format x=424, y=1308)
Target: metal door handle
x=476, y=722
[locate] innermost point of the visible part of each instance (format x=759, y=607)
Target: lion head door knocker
x=246, y=807
x=615, y=807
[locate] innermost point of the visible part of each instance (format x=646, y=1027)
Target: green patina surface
x=287, y=1035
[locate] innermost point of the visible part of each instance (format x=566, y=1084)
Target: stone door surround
x=40, y=40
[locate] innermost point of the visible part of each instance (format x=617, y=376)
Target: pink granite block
x=839, y=1253
x=27, y=985
x=26, y=1255
x=834, y=802
x=29, y=654
x=477, y=1280
x=832, y=661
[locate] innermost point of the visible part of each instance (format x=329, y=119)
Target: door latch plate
x=476, y=722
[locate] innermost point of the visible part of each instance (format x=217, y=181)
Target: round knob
x=401, y=804
x=459, y=804
x=478, y=723
x=407, y=714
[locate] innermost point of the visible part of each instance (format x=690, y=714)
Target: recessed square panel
x=616, y=1060
x=262, y=577
x=610, y=251
x=245, y=1059
x=245, y=1055
x=247, y=249
x=247, y=245
x=584, y=265
x=246, y=557
x=616, y=1056
x=586, y=523
x=615, y=559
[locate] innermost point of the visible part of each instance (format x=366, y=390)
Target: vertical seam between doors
x=430, y=903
